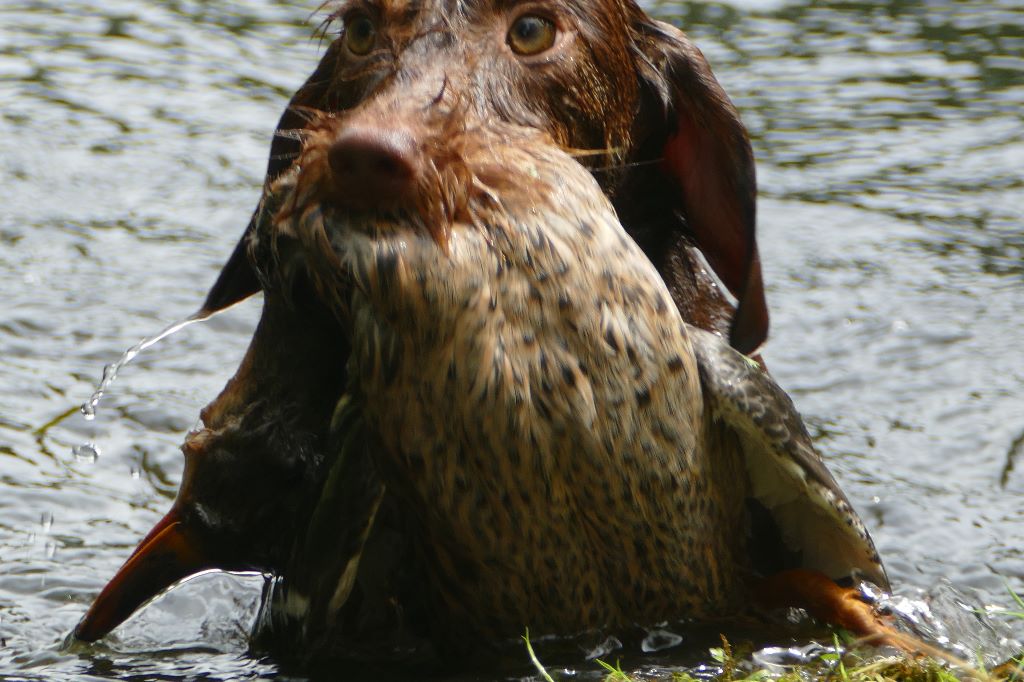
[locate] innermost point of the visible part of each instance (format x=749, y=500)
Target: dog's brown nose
x=373, y=167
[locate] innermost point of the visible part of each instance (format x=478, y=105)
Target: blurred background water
x=133, y=139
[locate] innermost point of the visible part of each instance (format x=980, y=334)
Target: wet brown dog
x=633, y=97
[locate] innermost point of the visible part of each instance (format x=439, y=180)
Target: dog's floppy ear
x=706, y=153
x=237, y=279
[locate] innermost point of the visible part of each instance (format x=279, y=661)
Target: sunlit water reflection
x=132, y=146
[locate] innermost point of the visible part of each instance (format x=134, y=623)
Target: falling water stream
x=133, y=139
x=111, y=371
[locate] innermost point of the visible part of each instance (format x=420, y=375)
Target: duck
x=485, y=414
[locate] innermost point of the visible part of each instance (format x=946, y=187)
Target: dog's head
x=631, y=97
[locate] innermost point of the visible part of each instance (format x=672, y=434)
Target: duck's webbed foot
x=831, y=603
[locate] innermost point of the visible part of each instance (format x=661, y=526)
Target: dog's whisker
x=331, y=15
x=624, y=166
x=585, y=153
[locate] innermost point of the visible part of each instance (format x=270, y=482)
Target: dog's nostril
x=371, y=166
x=388, y=165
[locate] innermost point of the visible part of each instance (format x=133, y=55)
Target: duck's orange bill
x=167, y=554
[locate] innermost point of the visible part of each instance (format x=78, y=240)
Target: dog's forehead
x=427, y=13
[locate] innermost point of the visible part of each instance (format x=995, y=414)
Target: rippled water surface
x=133, y=138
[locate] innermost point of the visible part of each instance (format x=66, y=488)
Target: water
x=88, y=408
x=133, y=139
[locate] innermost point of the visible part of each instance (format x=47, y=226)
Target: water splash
x=610, y=644
x=110, y=371
x=659, y=640
x=779, y=660
x=954, y=618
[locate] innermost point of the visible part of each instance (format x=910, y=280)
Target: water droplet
x=779, y=659
x=46, y=521
x=659, y=640
x=604, y=648
x=86, y=452
x=135, y=473
x=110, y=371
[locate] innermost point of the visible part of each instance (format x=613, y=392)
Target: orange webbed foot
x=842, y=607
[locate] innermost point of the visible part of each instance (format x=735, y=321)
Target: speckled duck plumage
x=537, y=400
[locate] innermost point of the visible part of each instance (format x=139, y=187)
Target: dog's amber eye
x=531, y=34
x=360, y=34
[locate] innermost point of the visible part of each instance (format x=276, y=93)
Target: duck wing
x=324, y=565
x=787, y=476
